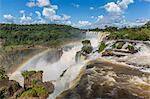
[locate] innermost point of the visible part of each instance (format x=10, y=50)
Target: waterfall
x=54, y=61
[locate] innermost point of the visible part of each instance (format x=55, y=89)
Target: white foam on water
x=52, y=71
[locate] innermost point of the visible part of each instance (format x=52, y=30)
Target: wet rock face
x=34, y=87
x=85, y=50
x=7, y=87
x=108, y=81
x=111, y=53
x=118, y=48
x=32, y=76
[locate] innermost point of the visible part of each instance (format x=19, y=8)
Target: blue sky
x=79, y=13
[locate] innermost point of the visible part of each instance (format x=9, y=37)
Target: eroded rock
x=105, y=80
x=85, y=51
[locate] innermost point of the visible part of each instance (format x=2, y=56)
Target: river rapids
x=59, y=66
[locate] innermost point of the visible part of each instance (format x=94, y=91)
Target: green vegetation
x=102, y=47
x=134, y=33
x=36, y=34
x=119, y=45
x=86, y=42
x=87, y=48
x=27, y=74
x=40, y=90
x=3, y=75
x=34, y=91
x=29, y=93
x=131, y=33
x=130, y=48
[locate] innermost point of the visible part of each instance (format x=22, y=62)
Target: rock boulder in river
x=85, y=50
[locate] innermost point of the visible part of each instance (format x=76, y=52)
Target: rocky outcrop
x=106, y=80
x=31, y=77
x=34, y=87
x=7, y=87
x=85, y=51
x=117, y=48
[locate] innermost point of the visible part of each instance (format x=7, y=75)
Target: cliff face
x=11, y=59
x=84, y=52
x=106, y=80
x=32, y=77
x=7, y=87
x=34, y=87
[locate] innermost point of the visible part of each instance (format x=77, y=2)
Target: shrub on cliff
x=86, y=42
x=102, y=46
x=29, y=93
x=87, y=48
x=3, y=75
x=40, y=90
x=27, y=74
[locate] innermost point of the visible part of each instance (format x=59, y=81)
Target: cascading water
x=53, y=67
x=55, y=62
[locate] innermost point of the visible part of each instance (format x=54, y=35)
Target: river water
x=54, y=62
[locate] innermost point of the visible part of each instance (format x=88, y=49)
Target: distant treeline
x=133, y=33
x=13, y=34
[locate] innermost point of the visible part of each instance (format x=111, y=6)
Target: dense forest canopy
x=13, y=34
x=133, y=33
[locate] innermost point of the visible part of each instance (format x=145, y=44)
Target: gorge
x=54, y=62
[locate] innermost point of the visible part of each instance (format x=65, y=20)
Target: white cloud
x=66, y=17
x=22, y=11
x=9, y=18
x=25, y=19
x=100, y=17
x=115, y=15
x=117, y=7
x=92, y=17
x=40, y=3
x=124, y=3
x=38, y=14
x=91, y=8
x=31, y=3
x=48, y=12
x=75, y=5
x=39, y=19
x=112, y=7
x=84, y=23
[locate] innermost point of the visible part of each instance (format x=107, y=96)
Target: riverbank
x=12, y=57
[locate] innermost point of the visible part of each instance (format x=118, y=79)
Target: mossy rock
x=86, y=42
x=29, y=93
x=27, y=74
x=119, y=45
x=40, y=90
x=35, y=91
x=3, y=75
x=102, y=47
x=130, y=48
x=87, y=49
